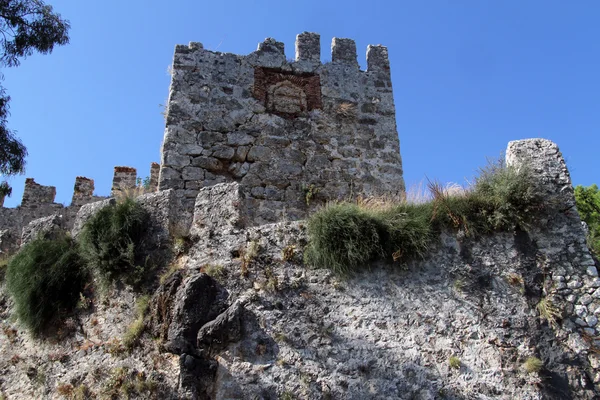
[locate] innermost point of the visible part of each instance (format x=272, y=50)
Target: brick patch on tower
x=287, y=94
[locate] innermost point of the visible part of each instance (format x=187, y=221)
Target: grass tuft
x=454, y=362
x=44, y=279
x=549, y=311
x=343, y=237
x=533, y=365
x=123, y=383
x=135, y=330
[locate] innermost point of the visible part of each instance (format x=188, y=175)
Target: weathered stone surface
x=226, y=328
x=35, y=194
x=218, y=208
x=162, y=305
x=199, y=299
x=47, y=227
x=124, y=179
x=86, y=212
x=196, y=377
x=162, y=216
x=8, y=242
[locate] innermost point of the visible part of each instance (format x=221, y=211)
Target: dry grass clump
x=135, y=330
x=533, y=365
x=549, y=311
x=346, y=110
x=454, y=362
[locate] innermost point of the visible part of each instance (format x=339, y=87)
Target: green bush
x=504, y=197
x=112, y=242
x=588, y=205
x=44, y=279
x=346, y=236
x=343, y=236
x=407, y=230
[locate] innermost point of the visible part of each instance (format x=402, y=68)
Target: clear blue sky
x=468, y=77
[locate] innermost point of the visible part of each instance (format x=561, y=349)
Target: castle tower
x=293, y=134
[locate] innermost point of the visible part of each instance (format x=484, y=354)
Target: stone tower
x=293, y=134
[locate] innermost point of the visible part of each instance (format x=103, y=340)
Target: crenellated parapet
x=154, y=173
x=83, y=191
x=38, y=203
x=35, y=194
x=292, y=133
x=125, y=178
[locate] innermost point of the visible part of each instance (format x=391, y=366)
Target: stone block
x=223, y=152
x=219, y=208
x=308, y=47
x=344, y=51
x=192, y=173
x=208, y=163
x=259, y=153
x=86, y=212
x=47, y=227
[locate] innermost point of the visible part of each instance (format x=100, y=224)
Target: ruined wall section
x=292, y=133
x=38, y=202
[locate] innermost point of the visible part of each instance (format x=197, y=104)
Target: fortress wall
x=292, y=133
x=479, y=298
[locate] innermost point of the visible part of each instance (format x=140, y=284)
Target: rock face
x=86, y=212
x=47, y=227
x=293, y=134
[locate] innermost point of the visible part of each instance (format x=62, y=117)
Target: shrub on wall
x=588, y=205
x=345, y=236
x=44, y=279
x=112, y=241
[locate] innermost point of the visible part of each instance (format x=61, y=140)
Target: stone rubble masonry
x=83, y=191
x=292, y=133
x=571, y=280
x=35, y=194
x=124, y=179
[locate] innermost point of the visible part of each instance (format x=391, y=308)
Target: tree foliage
x=588, y=205
x=26, y=26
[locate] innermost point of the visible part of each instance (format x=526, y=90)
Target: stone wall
x=292, y=133
x=38, y=202
x=391, y=330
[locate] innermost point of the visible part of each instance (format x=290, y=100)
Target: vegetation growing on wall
x=345, y=236
x=111, y=242
x=588, y=205
x=44, y=279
